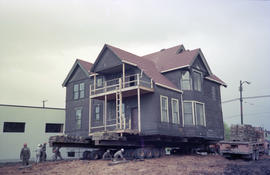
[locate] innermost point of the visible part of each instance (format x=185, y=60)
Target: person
x=57, y=153
x=38, y=153
x=43, y=152
x=25, y=155
x=107, y=155
x=119, y=155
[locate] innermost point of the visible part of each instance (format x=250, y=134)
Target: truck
x=143, y=104
x=245, y=142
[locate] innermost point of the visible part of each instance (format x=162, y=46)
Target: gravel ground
x=169, y=165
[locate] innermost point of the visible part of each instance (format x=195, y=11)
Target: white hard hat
x=122, y=149
x=39, y=145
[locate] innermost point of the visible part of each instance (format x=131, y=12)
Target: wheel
x=140, y=153
x=156, y=153
x=149, y=153
x=94, y=155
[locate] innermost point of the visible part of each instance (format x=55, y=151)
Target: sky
x=41, y=39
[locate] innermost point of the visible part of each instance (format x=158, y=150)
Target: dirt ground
x=168, y=165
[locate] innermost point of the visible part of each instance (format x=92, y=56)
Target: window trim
x=76, y=119
x=74, y=91
x=99, y=111
x=192, y=108
x=201, y=79
x=177, y=104
x=190, y=81
x=81, y=90
x=195, y=108
x=97, y=80
x=13, y=131
x=168, y=120
x=194, y=112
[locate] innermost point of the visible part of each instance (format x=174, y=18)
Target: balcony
x=128, y=86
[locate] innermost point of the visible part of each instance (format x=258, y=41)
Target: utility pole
x=241, y=99
x=43, y=102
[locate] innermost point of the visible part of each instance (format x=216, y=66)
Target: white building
x=28, y=124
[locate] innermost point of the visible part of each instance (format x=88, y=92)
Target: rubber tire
x=156, y=153
x=149, y=153
x=94, y=155
x=140, y=153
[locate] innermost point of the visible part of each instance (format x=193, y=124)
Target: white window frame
x=201, y=80
x=76, y=91
x=78, y=126
x=194, y=112
x=190, y=81
x=99, y=112
x=81, y=90
x=177, y=104
x=99, y=82
x=192, y=108
x=167, y=119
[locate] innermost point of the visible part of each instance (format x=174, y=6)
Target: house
x=172, y=92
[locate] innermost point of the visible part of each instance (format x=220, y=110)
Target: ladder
x=118, y=104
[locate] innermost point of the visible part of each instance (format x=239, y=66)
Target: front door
x=134, y=118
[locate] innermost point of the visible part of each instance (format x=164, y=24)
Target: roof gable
x=85, y=67
x=105, y=60
x=147, y=66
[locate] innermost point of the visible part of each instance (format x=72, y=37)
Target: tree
x=226, y=131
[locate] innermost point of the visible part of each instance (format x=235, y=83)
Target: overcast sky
x=40, y=40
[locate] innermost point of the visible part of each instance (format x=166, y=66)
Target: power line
x=251, y=97
x=234, y=116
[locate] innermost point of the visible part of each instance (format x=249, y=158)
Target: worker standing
x=107, y=155
x=119, y=155
x=25, y=154
x=43, y=152
x=57, y=153
x=38, y=153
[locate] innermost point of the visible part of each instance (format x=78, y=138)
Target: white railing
x=120, y=83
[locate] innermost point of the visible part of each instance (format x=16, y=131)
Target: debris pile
x=246, y=133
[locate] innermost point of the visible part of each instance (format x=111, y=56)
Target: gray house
x=171, y=92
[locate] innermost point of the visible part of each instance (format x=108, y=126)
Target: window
x=185, y=81
x=14, y=127
x=99, y=82
x=81, y=90
x=200, y=114
x=194, y=111
x=97, y=112
x=76, y=91
x=53, y=128
x=197, y=81
x=213, y=92
x=164, y=109
x=188, y=115
x=175, y=111
x=71, y=154
x=78, y=118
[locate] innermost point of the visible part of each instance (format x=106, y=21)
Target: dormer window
x=197, y=77
x=185, y=81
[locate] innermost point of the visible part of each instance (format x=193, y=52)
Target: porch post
x=139, y=109
x=90, y=113
x=123, y=74
x=105, y=113
x=94, y=83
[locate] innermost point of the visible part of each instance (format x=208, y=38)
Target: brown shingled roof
x=167, y=59
x=86, y=65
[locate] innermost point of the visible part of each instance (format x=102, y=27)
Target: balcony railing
x=126, y=83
